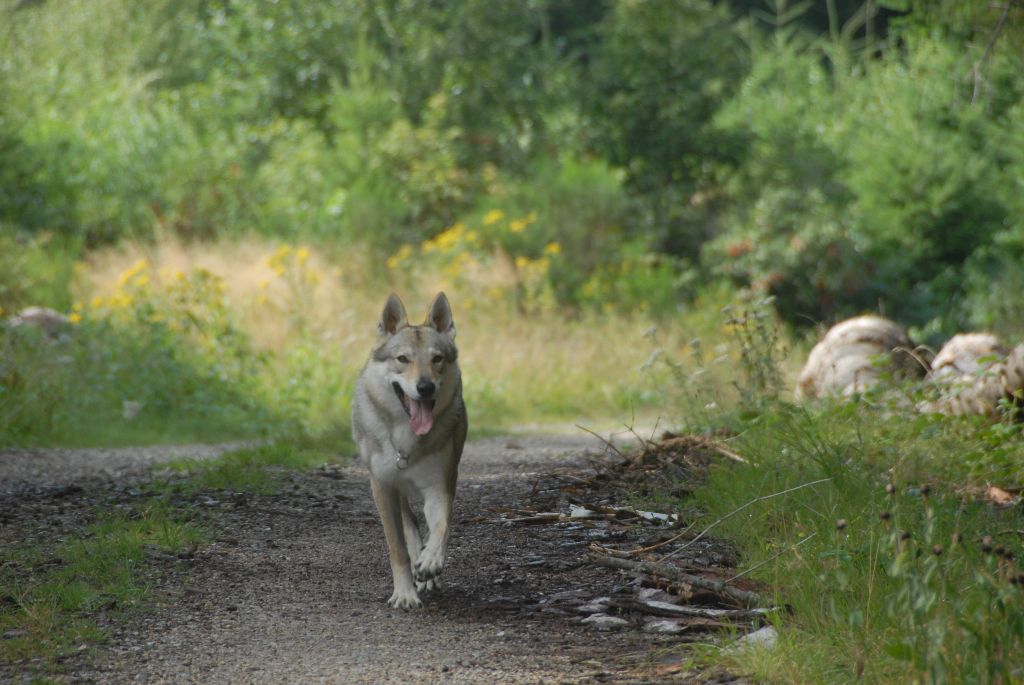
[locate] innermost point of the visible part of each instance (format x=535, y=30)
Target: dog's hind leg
x=389, y=504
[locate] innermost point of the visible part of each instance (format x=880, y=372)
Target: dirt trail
x=293, y=585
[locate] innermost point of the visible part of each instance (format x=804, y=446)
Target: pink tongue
x=422, y=416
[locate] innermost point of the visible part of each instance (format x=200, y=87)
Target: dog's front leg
x=437, y=509
x=389, y=506
x=414, y=543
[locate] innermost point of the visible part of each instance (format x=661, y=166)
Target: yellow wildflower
x=446, y=240
x=276, y=261
x=404, y=252
x=493, y=217
x=552, y=248
x=74, y=317
x=522, y=262
x=301, y=255
x=119, y=300
x=134, y=271
x=96, y=302
x=520, y=224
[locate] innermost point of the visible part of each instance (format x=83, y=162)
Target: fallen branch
x=541, y=517
x=642, y=550
x=602, y=439
x=706, y=443
x=741, y=508
x=743, y=597
x=655, y=608
x=772, y=558
x=1009, y=531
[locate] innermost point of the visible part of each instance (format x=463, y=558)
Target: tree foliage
x=843, y=156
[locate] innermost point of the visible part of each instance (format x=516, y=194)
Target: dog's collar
x=401, y=458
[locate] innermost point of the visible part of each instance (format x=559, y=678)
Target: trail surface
x=292, y=587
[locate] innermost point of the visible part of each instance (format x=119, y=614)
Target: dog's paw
x=407, y=599
x=429, y=565
x=431, y=585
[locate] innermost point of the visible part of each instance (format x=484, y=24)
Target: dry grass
x=542, y=366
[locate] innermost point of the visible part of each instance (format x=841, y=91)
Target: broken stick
x=743, y=597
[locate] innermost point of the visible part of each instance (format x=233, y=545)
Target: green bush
x=868, y=185
x=146, y=363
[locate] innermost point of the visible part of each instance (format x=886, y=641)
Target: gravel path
x=292, y=588
x=41, y=470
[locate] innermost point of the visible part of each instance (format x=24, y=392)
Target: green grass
x=885, y=587
x=258, y=469
x=51, y=600
x=52, y=595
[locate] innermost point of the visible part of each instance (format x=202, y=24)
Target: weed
x=891, y=585
x=881, y=563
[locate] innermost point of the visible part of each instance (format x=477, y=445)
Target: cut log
x=974, y=376
x=854, y=356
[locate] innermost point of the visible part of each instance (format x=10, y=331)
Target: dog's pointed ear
x=440, y=316
x=393, y=318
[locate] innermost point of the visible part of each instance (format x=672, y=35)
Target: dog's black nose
x=425, y=388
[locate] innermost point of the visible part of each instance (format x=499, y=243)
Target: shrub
x=160, y=358
x=861, y=187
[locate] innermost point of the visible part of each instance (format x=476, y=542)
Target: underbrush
x=54, y=596
x=897, y=568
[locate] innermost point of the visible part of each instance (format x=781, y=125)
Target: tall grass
x=545, y=363
x=897, y=568
x=180, y=341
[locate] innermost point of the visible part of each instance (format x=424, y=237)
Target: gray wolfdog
x=410, y=423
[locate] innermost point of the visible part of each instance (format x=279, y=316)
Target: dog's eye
x=402, y=358
x=438, y=359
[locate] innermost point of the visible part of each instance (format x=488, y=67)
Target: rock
x=605, y=622
x=130, y=409
x=49, y=321
x=594, y=606
x=854, y=355
x=576, y=512
x=657, y=595
x=764, y=638
x=665, y=626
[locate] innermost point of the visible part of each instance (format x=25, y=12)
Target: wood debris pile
x=670, y=577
